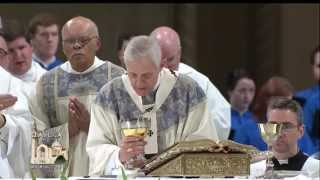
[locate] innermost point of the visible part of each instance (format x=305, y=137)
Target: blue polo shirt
x=309, y=92
x=249, y=134
x=237, y=120
x=312, y=120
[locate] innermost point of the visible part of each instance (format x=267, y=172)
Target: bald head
x=169, y=42
x=80, y=23
x=80, y=42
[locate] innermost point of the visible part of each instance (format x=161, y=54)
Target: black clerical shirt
x=295, y=163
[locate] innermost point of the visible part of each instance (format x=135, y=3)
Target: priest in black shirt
x=287, y=112
x=287, y=155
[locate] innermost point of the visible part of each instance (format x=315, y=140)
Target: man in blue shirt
x=312, y=120
x=43, y=32
x=311, y=97
x=315, y=62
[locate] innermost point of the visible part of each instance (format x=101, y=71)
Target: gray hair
x=285, y=103
x=142, y=47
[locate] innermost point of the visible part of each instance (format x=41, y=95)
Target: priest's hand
x=130, y=148
x=79, y=113
x=73, y=126
x=73, y=122
x=7, y=100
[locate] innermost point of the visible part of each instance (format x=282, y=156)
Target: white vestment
x=32, y=76
x=15, y=137
x=218, y=105
x=49, y=105
x=310, y=168
x=180, y=112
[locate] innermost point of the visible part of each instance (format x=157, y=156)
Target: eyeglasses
x=3, y=52
x=82, y=40
x=288, y=126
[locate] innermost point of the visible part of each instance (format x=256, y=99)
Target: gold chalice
x=269, y=132
x=135, y=127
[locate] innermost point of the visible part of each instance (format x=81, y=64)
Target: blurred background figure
x=43, y=31
x=122, y=43
x=312, y=121
x=241, y=91
x=219, y=107
x=311, y=97
x=276, y=86
x=315, y=65
x=20, y=54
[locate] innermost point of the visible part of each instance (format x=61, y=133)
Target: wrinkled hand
x=7, y=100
x=73, y=127
x=79, y=113
x=130, y=148
x=73, y=122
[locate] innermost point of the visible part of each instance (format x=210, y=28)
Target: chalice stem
x=269, y=163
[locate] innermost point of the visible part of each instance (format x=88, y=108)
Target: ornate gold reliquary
x=202, y=158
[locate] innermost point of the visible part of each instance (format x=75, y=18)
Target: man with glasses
x=219, y=107
x=15, y=123
x=64, y=95
x=286, y=152
x=287, y=155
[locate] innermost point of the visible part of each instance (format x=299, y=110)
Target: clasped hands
x=131, y=151
x=79, y=117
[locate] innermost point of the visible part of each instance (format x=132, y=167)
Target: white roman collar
x=68, y=68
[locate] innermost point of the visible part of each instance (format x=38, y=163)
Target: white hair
x=142, y=47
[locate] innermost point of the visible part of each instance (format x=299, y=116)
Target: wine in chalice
x=140, y=131
x=135, y=127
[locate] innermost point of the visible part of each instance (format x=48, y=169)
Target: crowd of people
x=86, y=99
